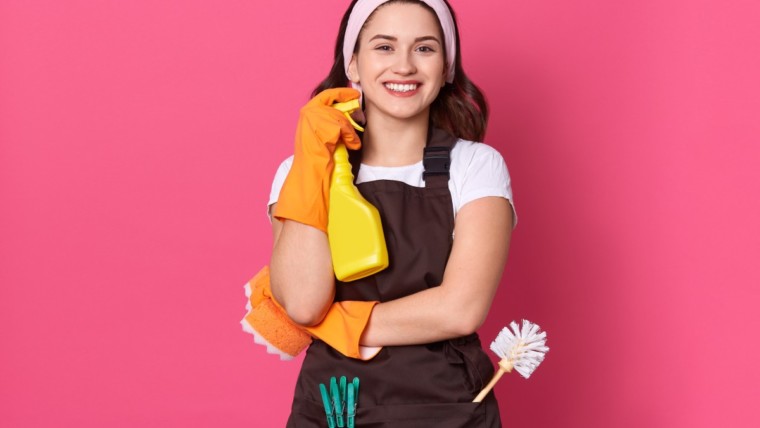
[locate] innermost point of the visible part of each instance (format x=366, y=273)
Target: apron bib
x=414, y=386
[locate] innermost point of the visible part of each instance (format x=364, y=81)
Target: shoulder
x=478, y=170
x=282, y=172
x=473, y=149
x=472, y=157
x=285, y=166
x=279, y=179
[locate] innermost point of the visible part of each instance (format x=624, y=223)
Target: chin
x=403, y=113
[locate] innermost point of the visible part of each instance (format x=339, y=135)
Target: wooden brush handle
x=490, y=386
x=505, y=366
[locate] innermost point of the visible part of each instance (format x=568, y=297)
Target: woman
x=410, y=335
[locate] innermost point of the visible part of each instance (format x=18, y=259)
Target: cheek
x=437, y=72
x=372, y=64
x=441, y=66
x=434, y=94
x=433, y=65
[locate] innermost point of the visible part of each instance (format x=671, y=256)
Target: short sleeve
x=483, y=173
x=279, y=180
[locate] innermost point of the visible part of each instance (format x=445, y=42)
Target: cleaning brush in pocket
x=519, y=349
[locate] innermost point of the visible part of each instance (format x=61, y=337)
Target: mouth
x=402, y=87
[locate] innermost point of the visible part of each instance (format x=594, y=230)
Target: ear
x=353, y=70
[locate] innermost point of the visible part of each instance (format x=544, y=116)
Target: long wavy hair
x=460, y=108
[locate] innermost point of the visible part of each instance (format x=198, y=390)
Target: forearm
x=424, y=317
x=301, y=272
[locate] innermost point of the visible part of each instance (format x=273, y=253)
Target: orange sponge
x=268, y=322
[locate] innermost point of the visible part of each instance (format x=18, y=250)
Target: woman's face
x=400, y=63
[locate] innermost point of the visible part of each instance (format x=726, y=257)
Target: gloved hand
x=305, y=194
x=341, y=327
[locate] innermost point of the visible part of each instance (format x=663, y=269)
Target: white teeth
x=400, y=88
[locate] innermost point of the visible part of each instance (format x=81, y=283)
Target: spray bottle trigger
x=347, y=108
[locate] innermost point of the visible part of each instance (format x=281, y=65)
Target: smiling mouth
x=396, y=87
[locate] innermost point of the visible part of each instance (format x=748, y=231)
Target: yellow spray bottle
x=354, y=229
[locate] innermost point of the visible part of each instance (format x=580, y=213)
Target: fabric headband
x=364, y=8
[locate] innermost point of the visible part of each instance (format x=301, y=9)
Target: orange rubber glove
x=341, y=328
x=305, y=194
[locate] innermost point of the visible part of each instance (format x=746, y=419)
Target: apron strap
x=437, y=158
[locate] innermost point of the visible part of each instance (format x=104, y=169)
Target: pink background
x=138, y=140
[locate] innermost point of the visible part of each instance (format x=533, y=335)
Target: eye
x=383, y=48
x=426, y=49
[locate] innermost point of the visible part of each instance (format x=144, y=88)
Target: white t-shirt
x=477, y=170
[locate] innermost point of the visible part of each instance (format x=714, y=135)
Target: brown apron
x=429, y=385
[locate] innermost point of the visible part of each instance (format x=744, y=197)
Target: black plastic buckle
x=436, y=161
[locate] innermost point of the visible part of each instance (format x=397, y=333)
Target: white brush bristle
x=523, y=348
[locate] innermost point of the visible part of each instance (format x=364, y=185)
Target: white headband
x=364, y=8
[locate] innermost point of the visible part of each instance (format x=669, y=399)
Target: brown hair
x=460, y=108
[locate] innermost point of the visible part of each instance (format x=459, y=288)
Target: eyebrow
x=395, y=39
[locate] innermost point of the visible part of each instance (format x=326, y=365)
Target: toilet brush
x=519, y=349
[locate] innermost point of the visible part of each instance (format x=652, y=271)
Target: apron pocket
x=307, y=414
x=439, y=415
x=476, y=367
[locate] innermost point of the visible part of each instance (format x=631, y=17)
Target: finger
x=348, y=134
x=350, y=138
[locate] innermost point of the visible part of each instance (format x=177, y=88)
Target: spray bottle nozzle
x=347, y=108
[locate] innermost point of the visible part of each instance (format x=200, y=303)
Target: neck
x=393, y=142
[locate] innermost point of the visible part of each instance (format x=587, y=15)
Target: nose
x=404, y=64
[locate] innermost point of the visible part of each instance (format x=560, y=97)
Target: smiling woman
x=408, y=332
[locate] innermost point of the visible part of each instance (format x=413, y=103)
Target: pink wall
x=138, y=140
